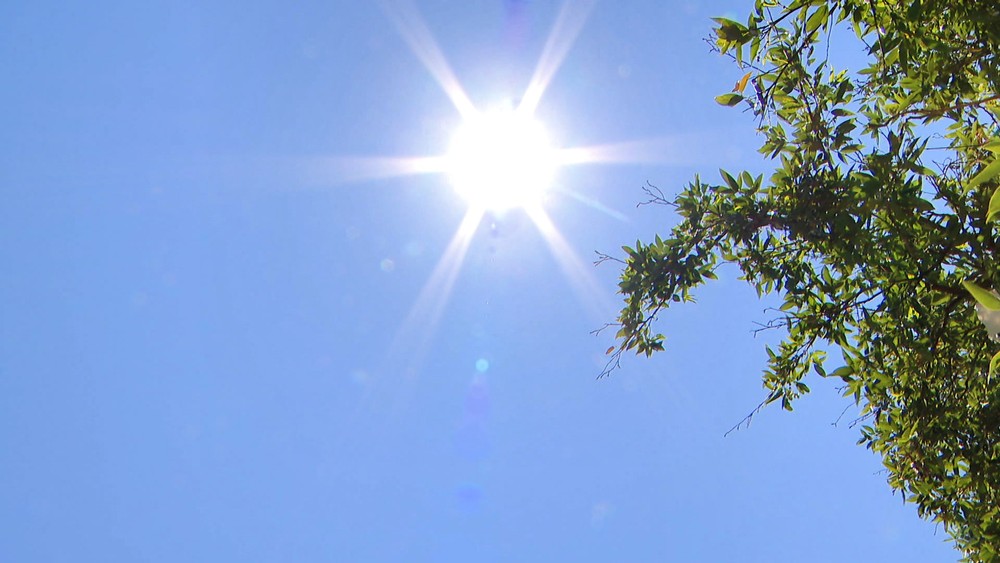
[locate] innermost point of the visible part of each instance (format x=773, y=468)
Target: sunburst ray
x=348, y=169
x=406, y=17
x=659, y=150
x=581, y=279
x=572, y=16
x=422, y=320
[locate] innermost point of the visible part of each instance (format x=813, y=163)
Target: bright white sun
x=501, y=160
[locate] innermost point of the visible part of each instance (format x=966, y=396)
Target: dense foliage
x=875, y=230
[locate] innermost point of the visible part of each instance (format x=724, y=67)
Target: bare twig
x=598, y=331
x=656, y=196
x=745, y=422
x=602, y=258
x=842, y=413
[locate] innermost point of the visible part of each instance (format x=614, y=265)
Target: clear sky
x=232, y=330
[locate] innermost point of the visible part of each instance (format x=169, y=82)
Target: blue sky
x=223, y=338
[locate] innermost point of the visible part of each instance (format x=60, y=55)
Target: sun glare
x=501, y=160
x=497, y=160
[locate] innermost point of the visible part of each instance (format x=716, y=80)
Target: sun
x=498, y=160
x=501, y=159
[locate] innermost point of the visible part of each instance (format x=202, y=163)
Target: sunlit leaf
x=843, y=372
x=986, y=174
x=984, y=297
x=730, y=99
x=994, y=207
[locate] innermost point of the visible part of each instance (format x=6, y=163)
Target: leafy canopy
x=876, y=229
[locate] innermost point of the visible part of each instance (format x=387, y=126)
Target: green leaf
x=727, y=22
x=817, y=19
x=842, y=372
x=730, y=180
x=730, y=30
x=995, y=363
x=730, y=99
x=994, y=207
x=984, y=175
x=984, y=297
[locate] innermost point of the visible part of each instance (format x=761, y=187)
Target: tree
x=875, y=230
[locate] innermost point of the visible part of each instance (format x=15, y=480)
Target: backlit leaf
x=984, y=297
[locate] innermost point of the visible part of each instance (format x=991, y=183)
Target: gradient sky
x=227, y=333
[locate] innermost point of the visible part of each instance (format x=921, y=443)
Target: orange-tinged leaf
x=742, y=84
x=610, y=349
